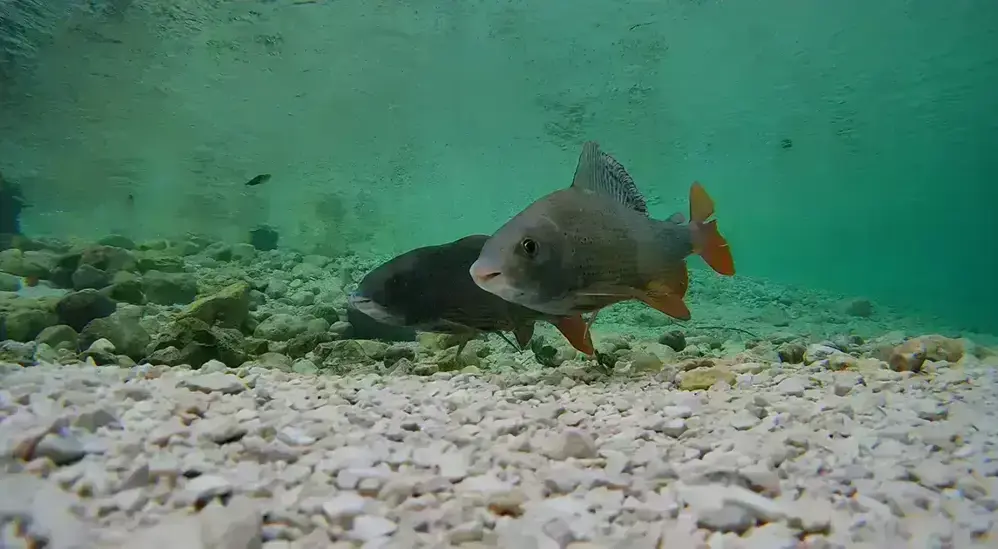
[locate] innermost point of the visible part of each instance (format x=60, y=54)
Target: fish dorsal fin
x=601, y=173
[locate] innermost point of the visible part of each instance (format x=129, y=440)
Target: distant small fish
x=593, y=244
x=258, y=180
x=429, y=289
x=31, y=281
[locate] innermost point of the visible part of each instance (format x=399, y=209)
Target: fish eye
x=529, y=246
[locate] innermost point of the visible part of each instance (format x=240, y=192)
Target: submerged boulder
x=189, y=340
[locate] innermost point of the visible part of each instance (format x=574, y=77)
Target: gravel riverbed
x=784, y=457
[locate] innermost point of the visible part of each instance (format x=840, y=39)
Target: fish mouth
x=485, y=275
x=373, y=309
x=493, y=281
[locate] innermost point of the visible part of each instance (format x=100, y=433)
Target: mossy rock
x=704, y=378
x=227, y=308
x=196, y=343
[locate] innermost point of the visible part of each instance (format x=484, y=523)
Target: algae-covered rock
x=117, y=241
x=9, y=282
x=704, y=378
x=227, y=307
x=303, y=343
x=37, y=264
x=17, y=352
x=161, y=262
x=90, y=277
x=77, y=309
x=60, y=336
x=195, y=342
x=169, y=288
x=675, y=339
x=642, y=361
x=281, y=327
x=24, y=324
x=125, y=333
x=127, y=288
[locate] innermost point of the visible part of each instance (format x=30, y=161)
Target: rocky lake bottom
x=190, y=393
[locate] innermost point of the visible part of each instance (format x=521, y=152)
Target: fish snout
x=483, y=272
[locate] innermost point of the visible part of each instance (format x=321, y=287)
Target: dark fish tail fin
x=576, y=331
x=707, y=240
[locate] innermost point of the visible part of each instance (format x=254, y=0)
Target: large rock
x=194, y=342
x=25, y=324
x=227, y=308
x=125, y=332
x=88, y=276
x=109, y=259
x=79, y=308
x=281, y=327
x=60, y=336
x=169, y=288
x=35, y=264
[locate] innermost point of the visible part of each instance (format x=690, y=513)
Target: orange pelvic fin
x=576, y=331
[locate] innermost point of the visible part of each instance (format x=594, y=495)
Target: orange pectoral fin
x=667, y=296
x=576, y=331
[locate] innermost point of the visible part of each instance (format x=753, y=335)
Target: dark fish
x=258, y=180
x=429, y=289
x=593, y=244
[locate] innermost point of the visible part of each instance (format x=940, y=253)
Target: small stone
x=792, y=386
x=574, y=443
x=934, y=474
x=816, y=352
x=214, y=383
x=370, y=527
x=726, y=518
x=744, y=420
x=346, y=505
x=62, y=450
x=200, y=490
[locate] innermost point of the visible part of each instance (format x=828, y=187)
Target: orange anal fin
x=662, y=296
x=576, y=331
x=707, y=239
x=524, y=334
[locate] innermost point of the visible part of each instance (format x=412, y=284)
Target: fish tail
x=576, y=331
x=707, y=240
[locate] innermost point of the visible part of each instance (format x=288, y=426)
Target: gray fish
x=593, y=244
x=429, y=289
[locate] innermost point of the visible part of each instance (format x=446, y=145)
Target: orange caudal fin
x=576, y=331
x=707, y=240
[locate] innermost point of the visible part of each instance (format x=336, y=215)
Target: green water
x=849, y=145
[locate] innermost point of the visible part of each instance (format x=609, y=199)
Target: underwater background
x=849, y=146
x=286, y=274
